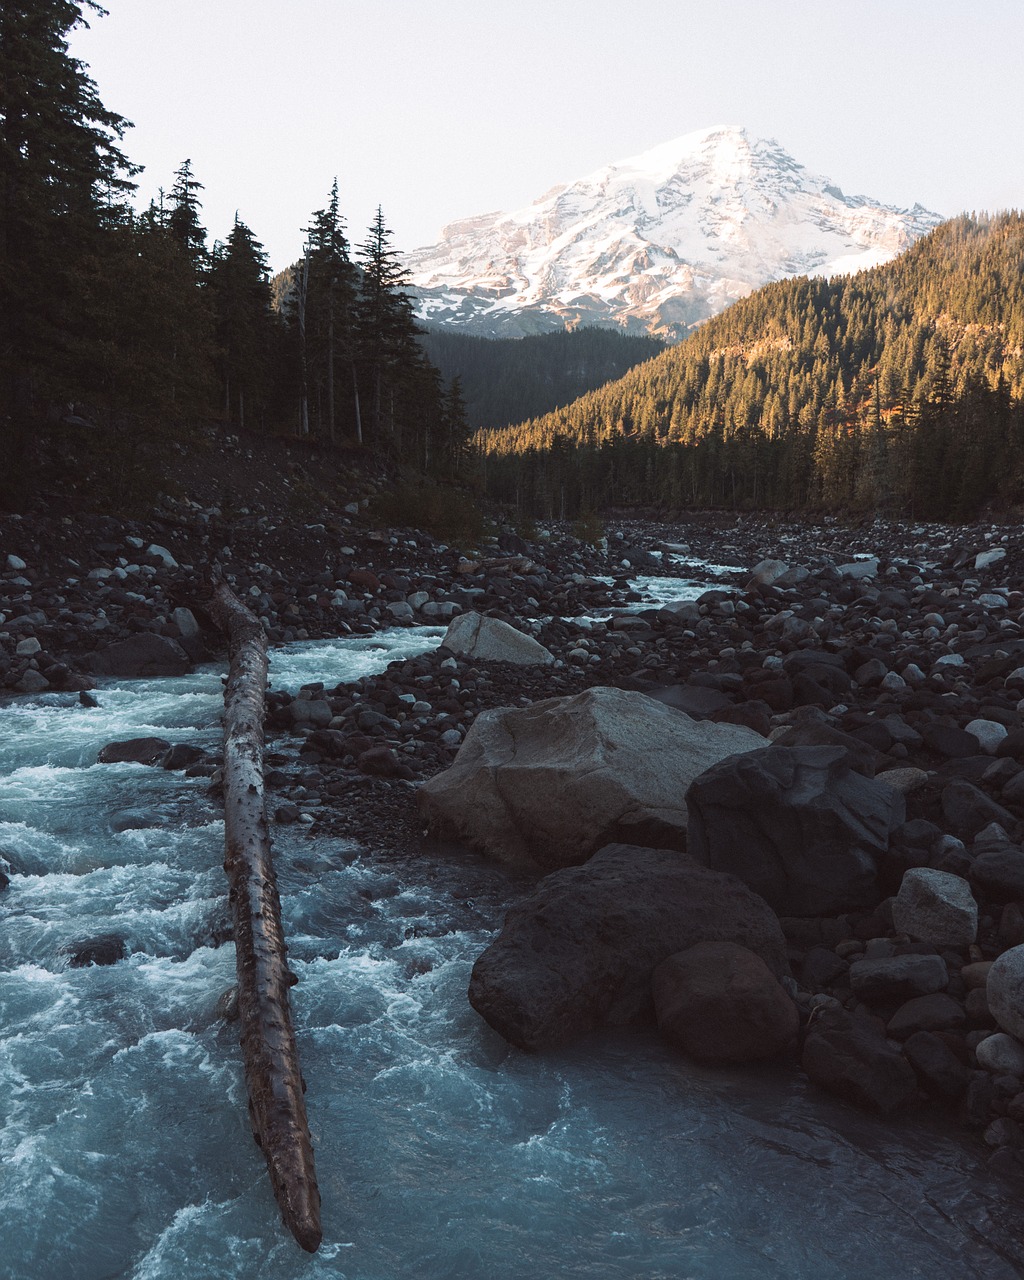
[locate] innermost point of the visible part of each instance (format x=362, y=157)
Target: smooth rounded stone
x=185, y=620
x=767, y=573
x=892, y=682
x=905, y=779
x=316, y=712
x=937, y=1012
x=32, y=682
x=489, y=640
x=579, y=951
x=975, y=974
x=721, y=1003
x=1005, y=991
x=990, y=734
x=140, y=655
x=849, y=1057
x=27, y=647
x=401, y=611
x=898, y=977
x=797, y=824
x=976, y=1008
x=108, y=948
x=933, y=906
x=547, y=784
x=1001, y=1054
x=139, y=750
x=999, y=873
x=181, y=755
x=939, y=1071
x=968, y=809
x=15, y=564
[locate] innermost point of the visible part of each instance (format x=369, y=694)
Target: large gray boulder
x=144, y=654
x=798, y=825
x=546, y=785
x=491, y=640
x=1005, y=991
x=579, y=951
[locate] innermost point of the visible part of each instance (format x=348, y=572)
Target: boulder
x=721, y=1003
x=137, y=750
x=1005, y=991
x=797, y=824
x=579, y=952
x=936, y=907
x=144, y=654
x=546, y=785
x=940, y=1072
x=108, y=948
x=1001, y=1054
x=489, y=640
x=898, y=977
x=848, y=1056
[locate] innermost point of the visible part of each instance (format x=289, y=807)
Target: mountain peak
x=658, y=241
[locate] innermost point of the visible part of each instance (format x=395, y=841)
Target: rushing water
x=125, y=1149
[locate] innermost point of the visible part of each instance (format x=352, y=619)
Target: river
x=125, y=1149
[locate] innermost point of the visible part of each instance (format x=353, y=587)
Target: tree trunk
x=277, y=1111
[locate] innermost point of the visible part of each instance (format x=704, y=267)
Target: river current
x=125, y=1149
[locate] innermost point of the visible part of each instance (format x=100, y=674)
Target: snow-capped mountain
x=657, y=242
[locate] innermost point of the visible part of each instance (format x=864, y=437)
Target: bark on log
x=276, y=1107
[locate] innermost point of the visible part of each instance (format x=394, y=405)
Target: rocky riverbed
x=900, y=646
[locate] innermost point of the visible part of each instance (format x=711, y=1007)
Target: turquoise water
x=125, y=1149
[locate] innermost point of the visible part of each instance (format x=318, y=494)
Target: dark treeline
x=506, y=380
x=132, y=326
x=899, y=389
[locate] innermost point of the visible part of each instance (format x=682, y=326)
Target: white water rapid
x=125, y=1149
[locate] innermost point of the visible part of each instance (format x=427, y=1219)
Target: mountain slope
x=655, y=243
x=900, y=388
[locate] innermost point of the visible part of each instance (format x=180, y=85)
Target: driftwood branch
x=276, y=1107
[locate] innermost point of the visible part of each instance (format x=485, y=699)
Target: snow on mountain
x=655, y=243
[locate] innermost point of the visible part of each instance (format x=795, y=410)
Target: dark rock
x=181, y=755
x=721, y=1003
x=797, y=824
x=849, y=1057
x=860, y=755
x=578, y=952
x=968, y=809
x=144, y=654
x=946, y=740
x=823, y=968
x=999, y=873
x=898, y=977
x=941, y=1074
x=141, y=750
x=936, y=1012
x=108, y=948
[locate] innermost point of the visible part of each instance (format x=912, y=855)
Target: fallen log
x=277, y=1110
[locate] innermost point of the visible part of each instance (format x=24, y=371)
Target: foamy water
x=125, y=1149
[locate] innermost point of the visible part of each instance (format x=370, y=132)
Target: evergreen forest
x=507, y=380
x=130, y=328
x=898, y=390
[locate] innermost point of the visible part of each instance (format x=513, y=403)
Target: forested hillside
x=898, y=389
x=506, y=380
x=121, y=330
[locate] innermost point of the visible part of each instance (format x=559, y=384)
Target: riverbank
x=896, y=638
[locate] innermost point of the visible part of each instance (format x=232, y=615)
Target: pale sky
x=439, y=109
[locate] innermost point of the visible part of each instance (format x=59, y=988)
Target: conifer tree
x=63, y=179
x=246, y=328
